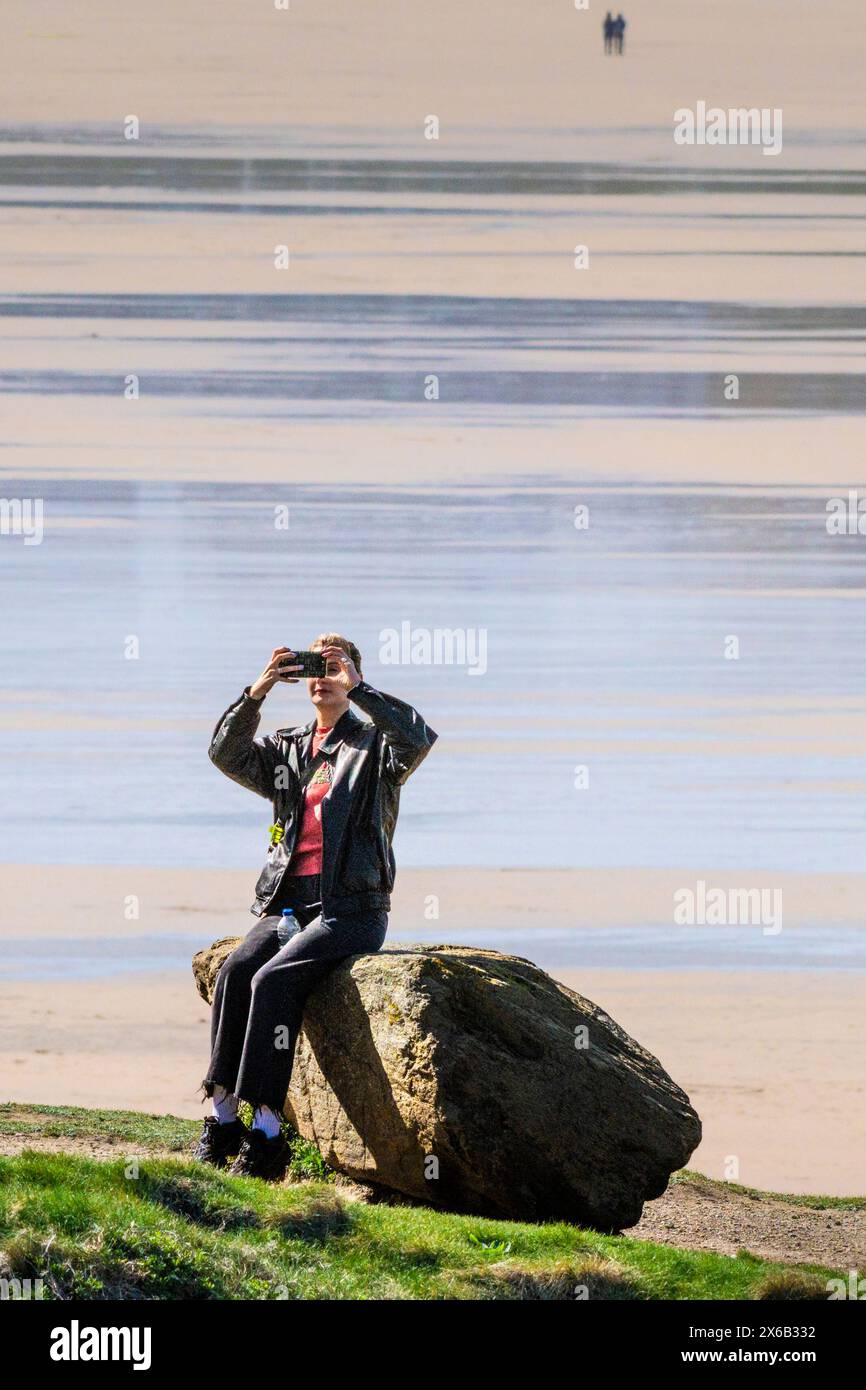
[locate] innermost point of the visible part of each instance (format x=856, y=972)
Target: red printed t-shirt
x=307, y=856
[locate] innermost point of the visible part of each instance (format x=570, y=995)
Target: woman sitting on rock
x=335, y=789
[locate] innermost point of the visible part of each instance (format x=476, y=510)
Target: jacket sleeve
x=408, y=739
x=236, y=751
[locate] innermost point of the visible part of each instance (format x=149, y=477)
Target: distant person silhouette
x=608, y=32
x=619, y=34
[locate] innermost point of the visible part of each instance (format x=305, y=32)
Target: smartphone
x=311, y=664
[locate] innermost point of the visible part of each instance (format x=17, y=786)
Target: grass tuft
x=588, y=1279
x=791, y=1284
x=165, y=1227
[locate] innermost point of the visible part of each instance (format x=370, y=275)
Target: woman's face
x=327, y=690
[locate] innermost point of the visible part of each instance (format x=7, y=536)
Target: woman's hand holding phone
x=341, y=668
x=275, y=671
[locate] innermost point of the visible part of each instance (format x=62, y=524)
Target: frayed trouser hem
x=207, y=1089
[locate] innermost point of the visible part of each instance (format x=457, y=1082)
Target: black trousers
x=262, y=987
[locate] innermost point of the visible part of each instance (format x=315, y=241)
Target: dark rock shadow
x=361, y=1084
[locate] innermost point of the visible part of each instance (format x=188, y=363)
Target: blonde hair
x=333, y=639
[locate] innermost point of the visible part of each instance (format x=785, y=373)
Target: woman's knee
x=238, y=969
x=264, y=979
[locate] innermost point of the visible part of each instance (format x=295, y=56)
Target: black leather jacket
x=370, y=759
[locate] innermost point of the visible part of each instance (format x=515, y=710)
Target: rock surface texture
x=471, y=1080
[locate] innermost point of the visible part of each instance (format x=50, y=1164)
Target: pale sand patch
x=577, y=705
x=774, y=1063
x=507, y=66
x=134, y=1042
x=808, y=744
x=514, y=247
x=89, y=437
x=208, y=903
x=25, y=719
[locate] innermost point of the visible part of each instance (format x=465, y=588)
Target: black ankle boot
x=219, y=1142
x=260, y=1157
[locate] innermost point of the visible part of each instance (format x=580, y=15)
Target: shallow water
x=553, y=948
x=605, y=647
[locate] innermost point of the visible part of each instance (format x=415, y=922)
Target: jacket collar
x=341, y=730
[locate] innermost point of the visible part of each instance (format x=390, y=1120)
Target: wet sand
x=774, y=1064
x=773, y=1060
x=56, y=901
x=90, y=438
x=453, y=257
x=499, y=69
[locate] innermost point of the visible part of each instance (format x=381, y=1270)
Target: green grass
x=144, y=1225
x=119, y=1126
x=135, y=1132
x=817, y=1202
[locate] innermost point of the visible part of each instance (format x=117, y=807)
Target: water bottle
x=289, y=926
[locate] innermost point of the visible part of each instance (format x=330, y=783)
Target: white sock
x=266, y=1120
x=225, y=1105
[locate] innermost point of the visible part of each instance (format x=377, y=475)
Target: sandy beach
x=430, y=384
x=512, y=66
x=773, y=1063
x=773, y=1060
x=91, y=900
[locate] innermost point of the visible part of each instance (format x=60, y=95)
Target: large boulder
x=471, y=1080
